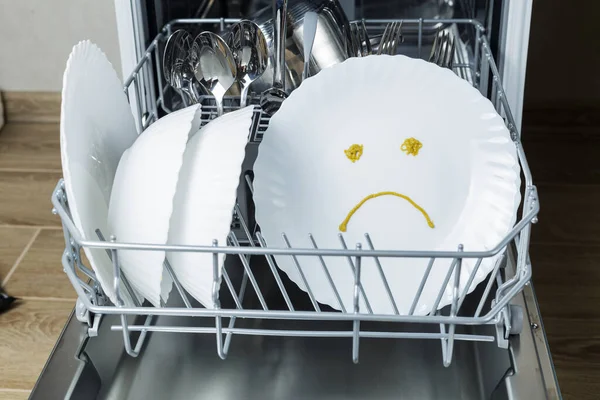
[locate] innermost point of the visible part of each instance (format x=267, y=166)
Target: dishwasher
x=264, y=339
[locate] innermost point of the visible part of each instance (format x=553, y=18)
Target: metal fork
x=442, y=52
x=390, y=39
x=360, y=44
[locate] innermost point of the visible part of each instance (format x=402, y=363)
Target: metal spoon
x=249, y=48
x=176, y=65
x=272, y=98
x=214, y=65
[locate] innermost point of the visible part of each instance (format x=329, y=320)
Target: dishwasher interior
x=186, y=366
x=493, y=348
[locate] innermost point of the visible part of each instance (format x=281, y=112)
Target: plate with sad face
x=397, y=148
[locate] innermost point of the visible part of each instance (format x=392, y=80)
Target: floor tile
x=40, y=273
x=25, y=198
x=12, y=243
x=28, y=333
x=30, y=147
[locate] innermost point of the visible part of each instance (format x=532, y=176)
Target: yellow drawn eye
x=354, y=152
x=411, y=146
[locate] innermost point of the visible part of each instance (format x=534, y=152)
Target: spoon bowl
x=213, y=65
x=176, y=65
x=249, y=48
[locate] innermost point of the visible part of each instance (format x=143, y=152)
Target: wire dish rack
x=246, y=248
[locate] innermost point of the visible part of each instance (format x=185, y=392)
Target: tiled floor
x=565, y=253
x=30, y=249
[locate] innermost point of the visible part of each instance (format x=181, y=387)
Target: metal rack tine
x=356, y=309
x=308, y=289
x=353, y=268
x=444, y=286
x=469, y=282
x=177, y=284
x=328, y=275
x=276, y=275
x=233, y=240
x=488, y=288
x=421, y=286
x=453, y=310
x=123, y=278
x=132, y=351
x=231, y=288
x=244, y=226
x=216, y=301
x=240, y=298
x=383, y=278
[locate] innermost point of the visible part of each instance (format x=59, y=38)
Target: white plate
x=142, y=200
x=96, y=126
x=466, y=176
x=203, y=206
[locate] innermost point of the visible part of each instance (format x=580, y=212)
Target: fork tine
x=368, y=48
x=359, y=39
x=352, y=47
x=438, y=48
x=394, y=39
x=442, y=56
x=434, y=48
x=390, y=39
x=451, y=47
x=382, y=43
x=397, y=36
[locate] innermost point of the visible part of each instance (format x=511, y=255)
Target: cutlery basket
x=255, y=298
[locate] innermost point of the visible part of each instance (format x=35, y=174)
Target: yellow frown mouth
x=345, y=222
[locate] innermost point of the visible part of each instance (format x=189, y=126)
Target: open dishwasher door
x=186, y=366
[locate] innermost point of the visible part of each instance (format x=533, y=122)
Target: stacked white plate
x=465, y=177
x=206, y=195
x=142, y=200
x=95, y=129
x=174, y=183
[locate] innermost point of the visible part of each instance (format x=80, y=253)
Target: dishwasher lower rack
x=254, y=290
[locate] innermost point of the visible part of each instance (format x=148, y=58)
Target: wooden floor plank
x=575, y=346
x=567, y=280
x=42, y=262
x=28, y=333
x=6, y=394
x=30, y=147
x=25, y=198
x=573, y=159
x=569, y=214
x=12, y=243
x=42, y=107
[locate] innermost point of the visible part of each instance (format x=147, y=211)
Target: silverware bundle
x=208, y=62
x=442, y=52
